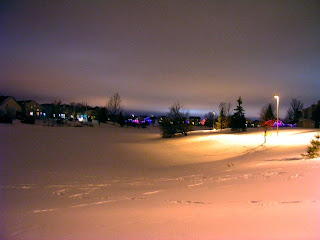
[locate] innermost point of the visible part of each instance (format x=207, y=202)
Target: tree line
x=176, y=122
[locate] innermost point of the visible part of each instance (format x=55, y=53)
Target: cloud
x=155, y=53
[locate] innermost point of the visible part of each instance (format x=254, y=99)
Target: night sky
x=157, y=52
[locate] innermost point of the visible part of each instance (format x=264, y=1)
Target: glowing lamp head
x=276, y=96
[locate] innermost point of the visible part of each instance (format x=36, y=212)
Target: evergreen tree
x=268, y=113
x=314, y=148
x=238, y=120
x=209, y=120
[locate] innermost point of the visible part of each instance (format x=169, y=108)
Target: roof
x=4, y=98
x=24, y=101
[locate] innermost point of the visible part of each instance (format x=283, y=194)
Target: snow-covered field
x=109, y=182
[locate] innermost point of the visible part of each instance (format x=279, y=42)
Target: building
x=195, y=120
x=9, y=106
x=48, y=110
x=55, y=110
x=310, y=116
x=31, y=108
x=92, y=113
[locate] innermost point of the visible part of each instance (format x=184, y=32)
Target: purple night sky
x=157, y=52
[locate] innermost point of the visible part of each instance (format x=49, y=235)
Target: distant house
x=48, y=110
x=31, y=108
x=196, y=121
x=310, y=116
x=92, y=113
x=154, y=120
x=9, y=106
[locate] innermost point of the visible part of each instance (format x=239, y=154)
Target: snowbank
x=109, y=182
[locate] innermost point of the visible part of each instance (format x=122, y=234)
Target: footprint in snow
x=188, y=202
x=44, y=210
x=196, y=184
x=60, y=192
x=154, y=192
x=135, y=198
x=267, y=203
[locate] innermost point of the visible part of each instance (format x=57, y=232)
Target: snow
x=108, y=182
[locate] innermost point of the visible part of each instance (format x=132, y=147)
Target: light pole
x=277, y=97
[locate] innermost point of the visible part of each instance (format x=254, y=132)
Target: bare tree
x=177, y=111
x=114, y=106
x=224, y=115
x=176, y=121
x=228, y=114
x=228, y=109
x=222, y=120
x=294, y=111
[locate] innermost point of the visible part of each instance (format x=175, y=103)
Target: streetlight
x=277, y=97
